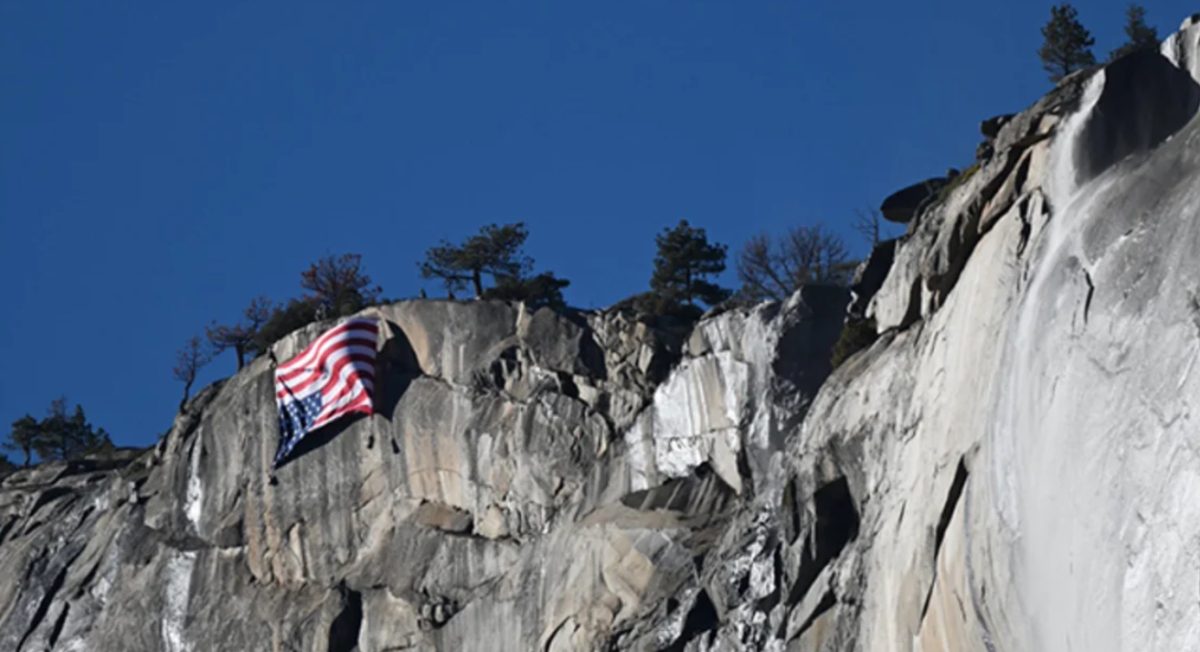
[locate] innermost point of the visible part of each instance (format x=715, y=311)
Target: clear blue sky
x=162, y=163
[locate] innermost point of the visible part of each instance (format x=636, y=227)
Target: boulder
x=902, y=206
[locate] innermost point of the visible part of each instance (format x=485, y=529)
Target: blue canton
x=295, y=420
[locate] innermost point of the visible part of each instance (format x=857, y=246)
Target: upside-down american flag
x=333, y=376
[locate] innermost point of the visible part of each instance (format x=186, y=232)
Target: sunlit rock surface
x=1012, y=465
x=532, y=481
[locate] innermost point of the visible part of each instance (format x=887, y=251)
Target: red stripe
x=334, y=375
x=363, y=410
x=361, y=404
x=289, y=374
x=329, y=401
x=355, y=383
x=353, y=328
x=368, y=326
x=301, y=380
x=351, y=380
x=314, y=357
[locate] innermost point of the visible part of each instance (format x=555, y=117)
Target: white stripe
x=357, y=329
x=302, y=382
x=362, y=337
x=316, y=387
x=323, y=416
x=332, y=387
x=359, y=390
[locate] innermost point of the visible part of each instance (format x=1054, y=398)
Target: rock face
x=532, y=481
x=1012, y=465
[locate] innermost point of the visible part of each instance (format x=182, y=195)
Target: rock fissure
x=953, y=498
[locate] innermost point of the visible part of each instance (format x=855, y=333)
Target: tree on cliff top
x=684, y=261
x=188, y=361
x=495, y=251
x=60, y=436
x=23, y=437
x=338, y=285
x=241, y=336
x=545, y=289
x=774, y=269
x=293, y=315
x=1139, y=35
x=1067, y=45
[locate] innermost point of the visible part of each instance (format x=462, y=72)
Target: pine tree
x=495, y=251
x=53, y=442
x=67, y=437
x=58, y=436
x=685, y=259
x=1139, y=35
x=23, y=437
x=545, y=289
x=1067, y=45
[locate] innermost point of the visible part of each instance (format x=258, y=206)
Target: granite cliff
x=1011, y=465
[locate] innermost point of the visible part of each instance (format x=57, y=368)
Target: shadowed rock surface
x=1011, y=465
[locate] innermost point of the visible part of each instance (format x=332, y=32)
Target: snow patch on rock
x=176, y=596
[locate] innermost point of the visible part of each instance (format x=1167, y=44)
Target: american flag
x=333, y=376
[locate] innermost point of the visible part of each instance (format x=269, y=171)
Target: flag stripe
x=329, y=398
x=360, y=364
x=310, y=352
x=356, y=408
x=317, y=356
x=332, y=347
x=350, y=377
x=347, y=397
x=361, y=357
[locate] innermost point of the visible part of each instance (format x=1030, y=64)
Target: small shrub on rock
x=857, y=335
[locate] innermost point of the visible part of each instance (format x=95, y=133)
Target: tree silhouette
x=66, y=437
x=241, y=336
x=684, y=261
x=1067, y=44
x=23, y=437
x=338, y=285
x=293, y=315
x=870, y=225
x=774, y=269
x=1138, y=35
x=545, y=289
x=495, y=251
x=188, y=361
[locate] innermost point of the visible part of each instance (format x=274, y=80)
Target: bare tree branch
x=805, y=254
x=188, y=362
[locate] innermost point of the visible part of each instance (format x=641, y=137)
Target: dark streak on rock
x=952, y=499
x=828, y=601
x=701, y=619
x=344, y=630
x=836, y=525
